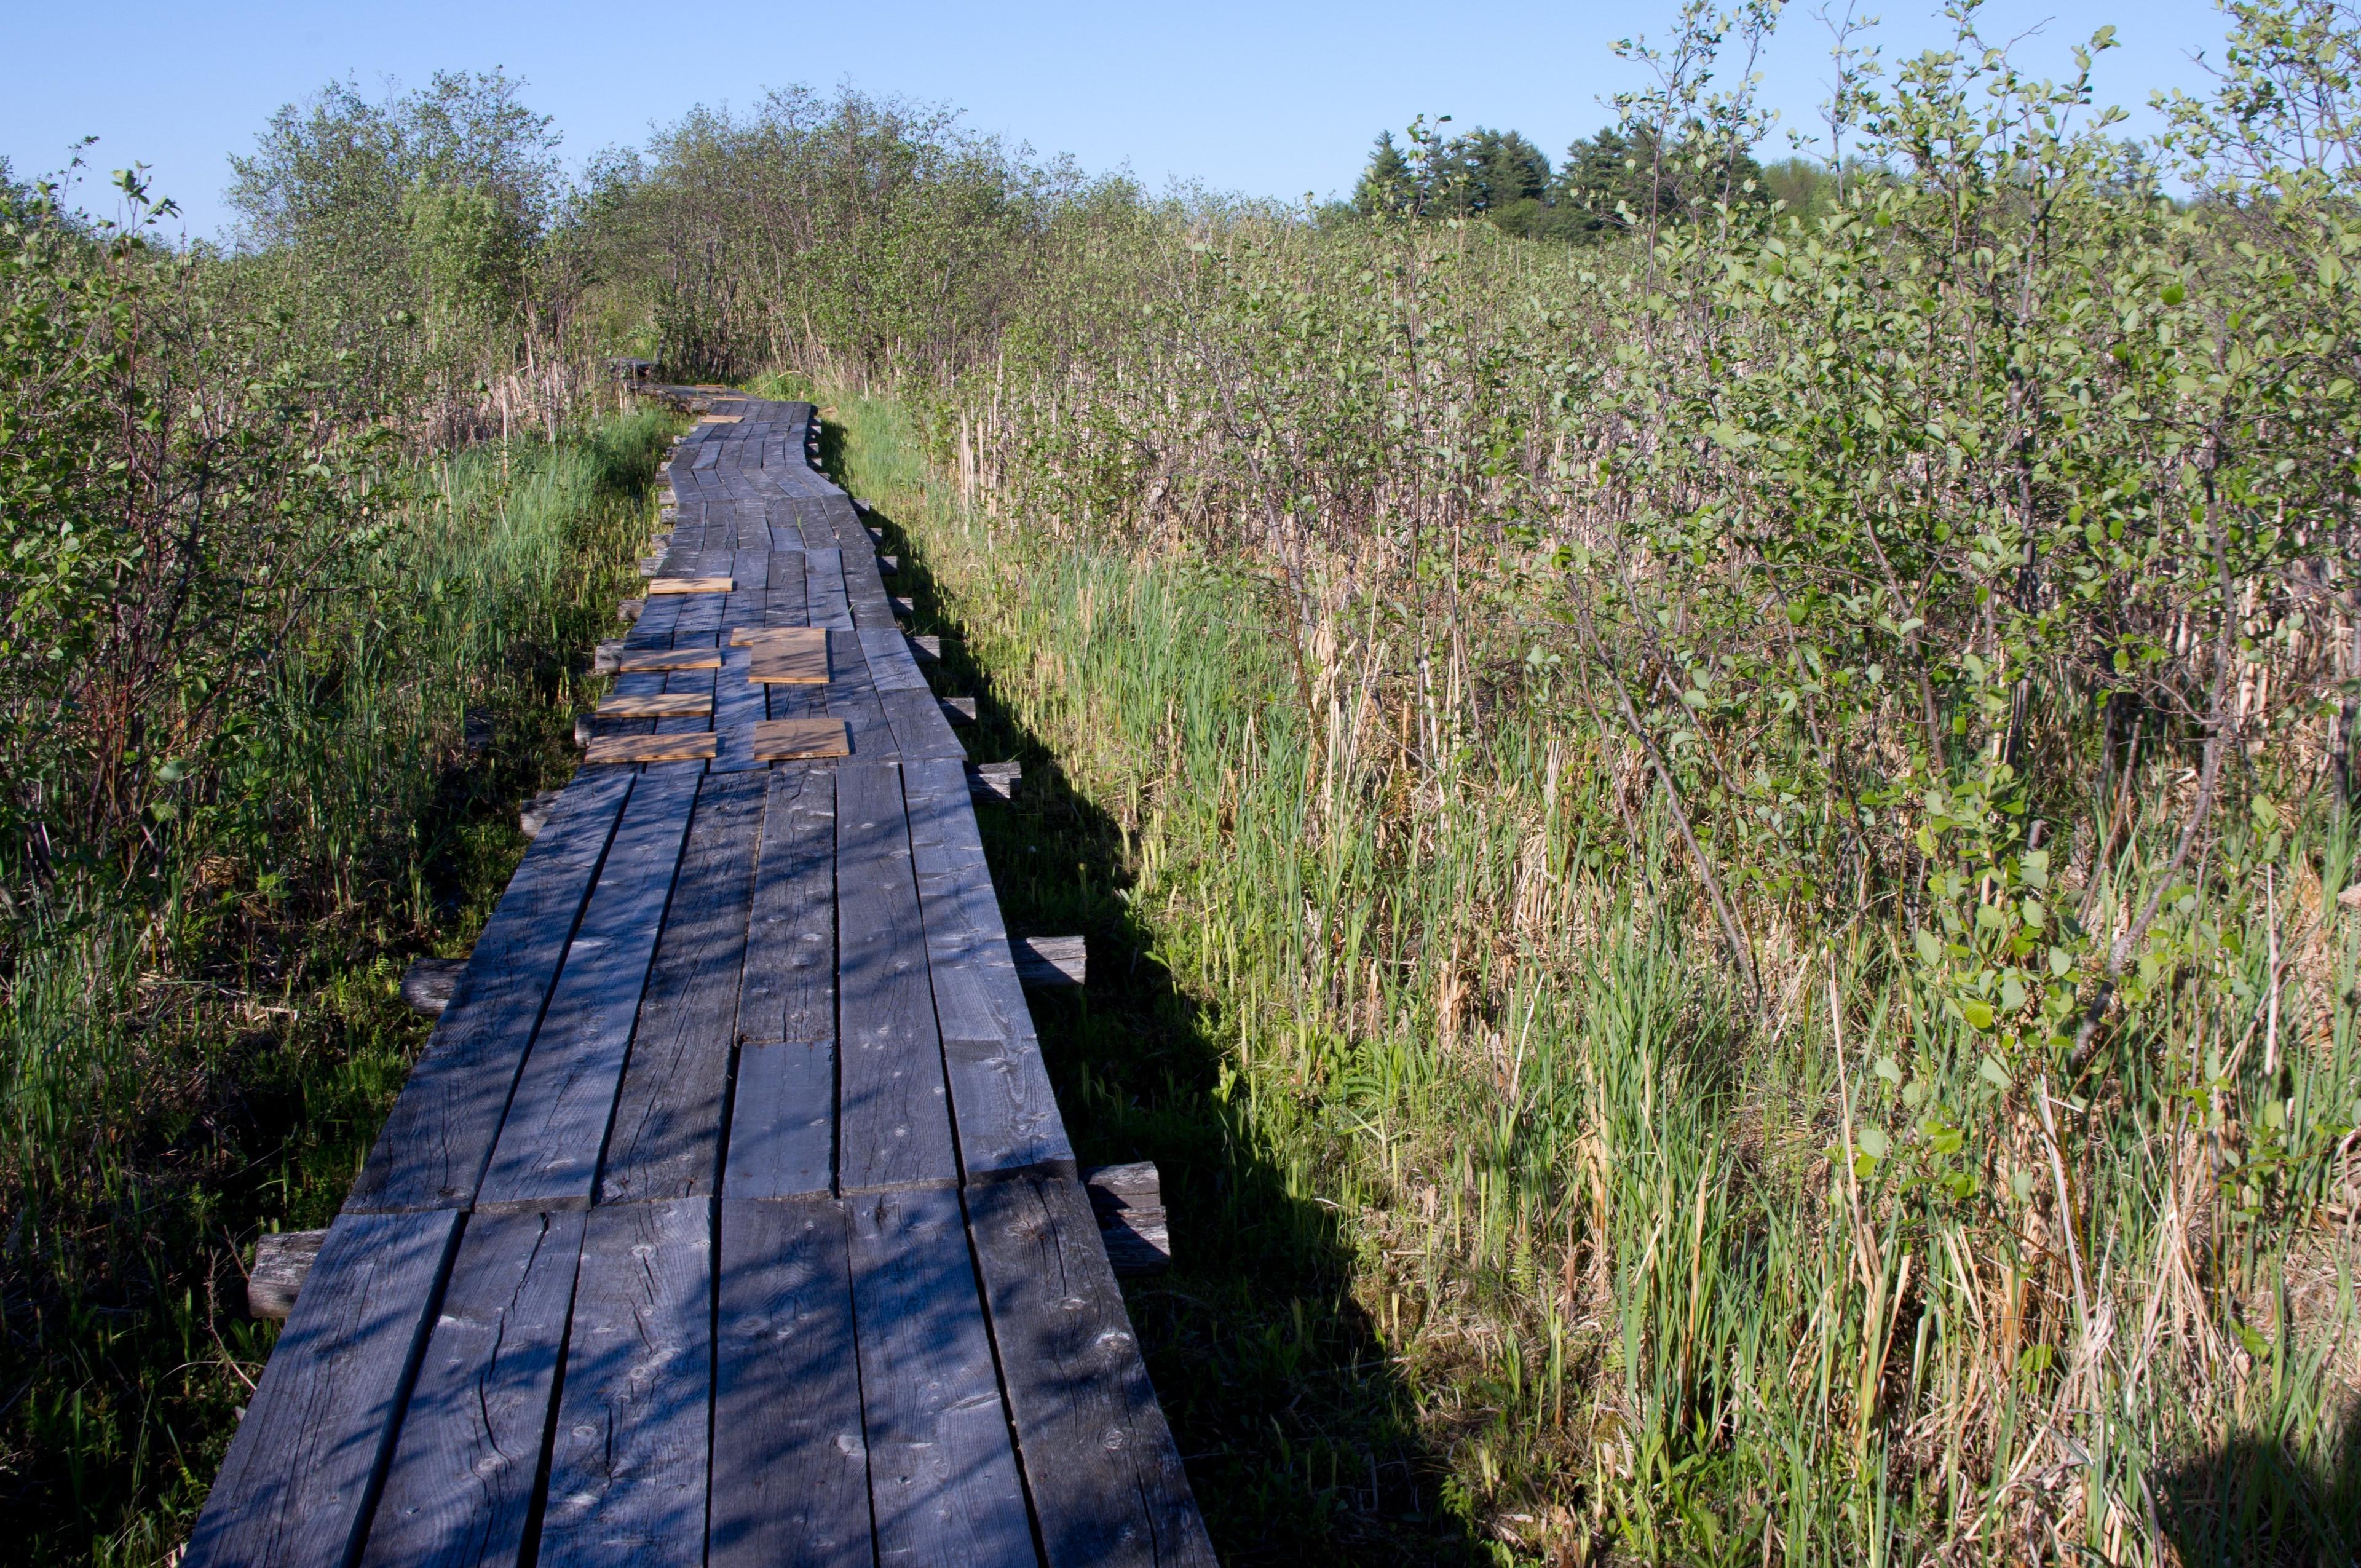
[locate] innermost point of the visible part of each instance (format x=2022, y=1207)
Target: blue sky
x=1274, y=99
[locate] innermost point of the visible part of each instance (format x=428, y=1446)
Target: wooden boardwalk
x=728, y=1216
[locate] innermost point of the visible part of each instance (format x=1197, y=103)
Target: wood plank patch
x=784, y=739
x=690, y=584
x=636, y=660
x=460, y=1486
x=790, y=1463
x=785, y=655
x=659, y=704
x=749, y=636
x=783, y=1121
x=298, y=1479
x=696, y=748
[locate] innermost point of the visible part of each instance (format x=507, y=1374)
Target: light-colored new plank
x=644, y=659
x=658, y=705
x=698, y=748
x=800, y=660
x=784, y=636
x=691, y=584
x=783, y=739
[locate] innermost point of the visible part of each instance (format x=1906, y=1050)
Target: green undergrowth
x=181, y=1077
x=1509, y=1223
x=1303, y=1437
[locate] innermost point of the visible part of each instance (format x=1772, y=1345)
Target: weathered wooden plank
x=787, y=739
x=919, y=728
x=894, y=1122
x=666, y=1137
x=459, y=1491
x=698, y=747
x=891, y=666
x=789, y=991
x=1106, y=1478
x=1128, y=1202
x=740, y=706
x=942, y=1477
x=656, y=625
x=701, y=615
x=636, y=660
x=1049, y=963
x=689, y=688
x=431, y=1151
x=824, y=589
x=783, y=1120
x=853, y=698
x=547, y=1155
x=751, y=564
x=1004, y=1108
x=790, y=1464
x=300, y=1475
x=658, y=705
x=282, y=1259
x=788, y=592
x=627, y=1471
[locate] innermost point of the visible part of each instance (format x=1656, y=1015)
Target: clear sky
x=1271, y=99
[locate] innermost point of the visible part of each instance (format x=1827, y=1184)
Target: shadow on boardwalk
x=1299, y=1433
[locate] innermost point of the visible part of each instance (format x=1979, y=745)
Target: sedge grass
x=1624, y=1235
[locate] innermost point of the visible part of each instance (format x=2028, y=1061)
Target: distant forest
x=1607, y=183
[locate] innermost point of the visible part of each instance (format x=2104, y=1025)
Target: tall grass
x=1661, y=1290
x=181, y=1074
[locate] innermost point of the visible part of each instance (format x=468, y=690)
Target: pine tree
x=1386, y=185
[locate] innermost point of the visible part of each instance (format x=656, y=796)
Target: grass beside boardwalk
x=178, y=1078
x=1613, y=1265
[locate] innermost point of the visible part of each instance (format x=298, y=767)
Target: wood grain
x=460, y=1488
x=698, y=747
x=786, y=739
x=627, y=1470
x=666, y=1137
x=633, y=661
x=660, y=705
x=1006, y=1112
x=739, y=705
x=1106, y=1480
x=790, y=1460
x=789, y=991
x=942, y=1476
x=547, y=1155
x=894, y=1124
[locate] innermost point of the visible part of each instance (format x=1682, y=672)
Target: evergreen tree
x=1386, y=185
